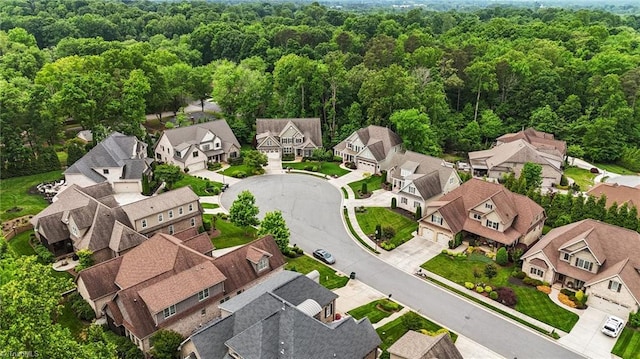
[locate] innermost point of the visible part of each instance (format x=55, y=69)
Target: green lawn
x=392, y=331
x=14, y=192
x=387, y=218
x=328, y=168
x=20, y=244
x=62, y=157
x=615, y=168
x=210, y=205
x=230, y=235
x=373, y=183
x=329, y=278
x=345, y=194
x=628, y=345
x=68, y=319
x=198, y=185
x=231, y=171
x=530, y=301
x=583, y=177
x=372, y=311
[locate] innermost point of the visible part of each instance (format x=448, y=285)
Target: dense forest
x=465, y=77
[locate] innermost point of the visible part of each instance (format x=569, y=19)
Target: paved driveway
x=312, y=209
x=586, y=337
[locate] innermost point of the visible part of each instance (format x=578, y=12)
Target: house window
x=436, y=219
x=328, y=310
x=158, y=156
x=536, y=272
x=170, y=213
x=488, y=206
x=203, y=311
x=180, y=211
x=263, y=264
x=205, y=147
x=178, y=154
x=586, y=265
x=144, y=223
x=565, y=256
x=169, y=311
x=105, y=171
x=203, y=294
x=217, y=144
x=451, y=180
x=193, y=222
x=233, y=154
x=403, y=200
x=615, y=285
x=416, y=204
x=171, y=229
x=298, y=140
x=160, y=217
x=195, y=153
x=412, y=190
x=579, y=283
x=477, y=216
x=190, y=207
x=74, y=230
x=492, y=224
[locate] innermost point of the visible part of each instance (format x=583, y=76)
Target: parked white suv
x=613, y=326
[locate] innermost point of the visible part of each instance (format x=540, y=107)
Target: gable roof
x=414, y=345
x=123, y=238
x=310, y=127
x=617, y=193
x=542, y=141
x=455, y=206
x=379, y=140
x=159, y=203
x=430, y=176
x=117, y=150
x=518, y=151
x=617, y=248
x=192, y=135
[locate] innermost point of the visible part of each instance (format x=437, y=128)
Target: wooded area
x=470, y=76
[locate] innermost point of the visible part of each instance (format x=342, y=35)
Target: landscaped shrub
x=488, y=289
x=634, y=319
x=288, y=157
x=490, y=271
x=418, y=213
x=564, y=299
x=479, y=289
x=236, y=160
x=206, y=224
x=531, y=281
x=388, y=232
x=80, y=307
x=364, y=189
x=518, y=274
x=214, y=166
x=502, y=258
x=314, y=169
x=350, y=165
x=516, y=254
x=43, y=254
x=239, y=174
x=507, y=296
x=493, y=295
x=470, y=249
x=568, y=292
x=387, y=245
x=469, y=285
x=564, y=181
x=394, y=203
x=389, y=305
x=544, y=289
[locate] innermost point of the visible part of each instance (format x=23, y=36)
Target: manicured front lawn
x=387, y=218
x=530, y=301
x=373, y=310
x=329, y=278
x=20, y=244
x=392, y=331
x=328, y=168
x=614, y=168
x=230, y=235
x=198, y=185
x=628, y=344
x=14, y=192
x=582, y=177
x=235, y=171
x=210, y=205
x=373, y=183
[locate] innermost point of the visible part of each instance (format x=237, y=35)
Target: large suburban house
x=192, y=147
x=542, y=141
x=168, y=283
x=90, y=218
x=511, y=157
x=414, y=345
x=287, y=316
x=417, y=179
x=282, y=136
x=601, y=258
x=369, y=148
x=484, y=211
x=119, y=160
x=617, y=193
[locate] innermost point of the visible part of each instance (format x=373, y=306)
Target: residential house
x=601, y=258
x=542, y=141
x=91, y=218
x=483, y=211
x=414, y=345
x=167, y=283
x=417, y=179
x=297, y=136
x=192, y=147
x=369, y=148
x=618, y=194
x=287, y=316
x=511, y=157
x=119, y=160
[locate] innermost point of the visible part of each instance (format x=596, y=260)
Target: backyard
x=403, y=226
x=230, y=235
x=198, y=185
x=328, y=168
x=531, y=302
x=373, y=183
x=628, y=345
x=392, y=331
x=582, y=177
x=329, y=278
x=15, y=193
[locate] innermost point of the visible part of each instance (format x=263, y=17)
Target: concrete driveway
x=586, y=337
x=312, y=208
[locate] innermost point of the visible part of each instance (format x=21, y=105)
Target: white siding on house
x=611, y=301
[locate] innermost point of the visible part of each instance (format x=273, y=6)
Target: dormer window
x=105, y=171
x=169, y=311
x=477, y=216
x=170, y=213
x=263, y=264
x=615, y=286
x=412, y=190
x=205, y=147
x=144, y=223
x=584, y=264
x=195, y=153
x=565, y=256
x=488, y=205
x=436, y=219
x=180, y=210
x=203, y=294
x=492, y=224
x=160, y=217
x=178, y=154
x=217, y=144
x=190, y=207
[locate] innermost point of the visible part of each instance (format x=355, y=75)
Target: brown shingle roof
x=620, y=247
x=617, y=193
x=539, y=263
x=162, y=202
x=372, y=135
x=199, y=243
x=194, y=134
x=541, y=140
x=254, y=255
x=414, y=345
x=518, y=151
x=310, y=127
x=100, y=279
x=123, y=238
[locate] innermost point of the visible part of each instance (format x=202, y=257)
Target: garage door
x=126, y=187
x=443, y=238
x=607, y=306
x=427, y=233
x=196, y=166
x=273, y=154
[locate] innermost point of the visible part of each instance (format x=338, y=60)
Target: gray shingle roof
x=310, y=127
x=430, y=175
x=161, y=202
x=194, y=134
x=371, y=135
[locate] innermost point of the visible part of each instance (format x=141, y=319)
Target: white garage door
x=608, y=306
x=196, y=166
x=443, y=238
x=274, y=154
x=427, y=233
x=126, y=187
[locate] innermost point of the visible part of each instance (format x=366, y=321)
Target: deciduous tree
x=244, y=212
x=275, y=225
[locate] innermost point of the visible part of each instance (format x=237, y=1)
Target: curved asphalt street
x=312, y=209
